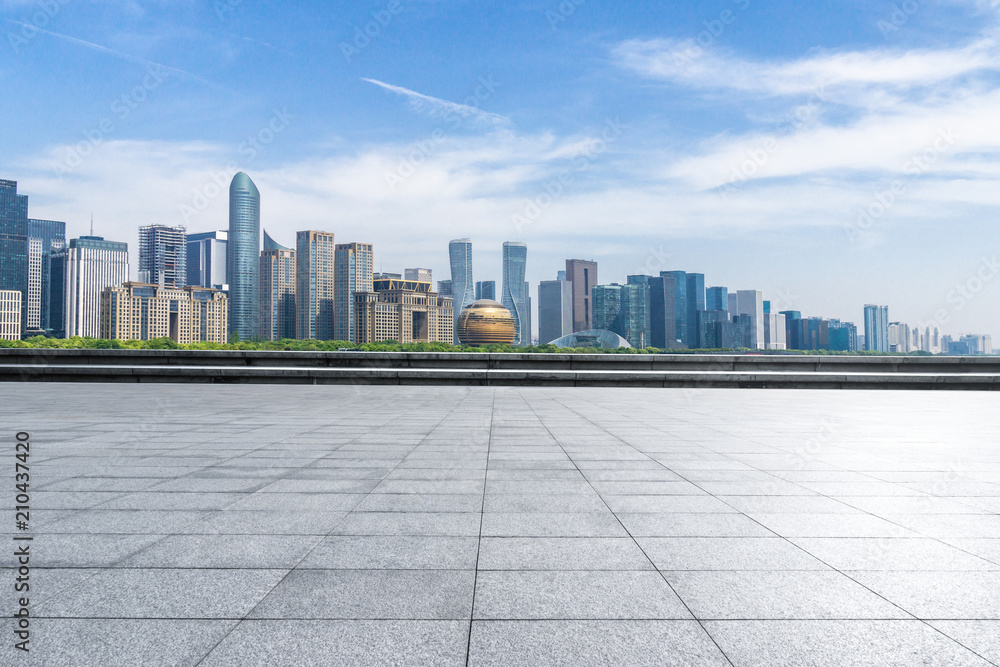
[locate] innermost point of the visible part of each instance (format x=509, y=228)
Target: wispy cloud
x=183, y=74
x=438, y=107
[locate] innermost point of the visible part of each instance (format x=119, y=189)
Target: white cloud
x=442, y=108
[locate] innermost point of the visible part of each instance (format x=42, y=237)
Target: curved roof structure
x=601, y=338
x=271, y=244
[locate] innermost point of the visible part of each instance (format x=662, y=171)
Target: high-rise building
x=463, y=286
x=277, y=291
x=486, y=289
x=932, y=340
x=877, y=328
x=695, y=297
x=14, y=243
x=243, y=257
x=139, y=311
x=10, y=315
x=623, y=309
x=45, y=238
x=444, y=288
x=751, y=303
x=206, y=259
x=420, y=275
x=315, y=286
x=717, y=298
x=660, y=302
x=555, y=310
x=91, y=266
x=717, y=332
x=582, y=275
x=529, y=338
x=843, y=336
x=675, y=285
x=163, y=256
x=403, y=311
x=793, y=331
x=775, y=334
x=353, y=268
x=900, y=337
x=515, y=260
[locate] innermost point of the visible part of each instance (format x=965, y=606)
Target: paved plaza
x=300, y=525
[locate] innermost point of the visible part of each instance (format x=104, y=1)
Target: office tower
x=843, y=336
x=243, y=257
x=163, y=256
x=10, y=315
x=206, y=259
x=277, y=291
x=386, y=275
x=793, y=331
x=813, y=333
x=514, y=298
x=717, y=332
x=932, y=340
x=623, y=309
x=444, y=288
x=91, y=266
x=676, y=289
x=315, y=288
x=978, y=344
x=582, y=276
x=139, y=311
x=751, y=302
x=733, y=304
x=560, y=275
x=775, y=334
x=900, y=337
x=45, y=239
x=660, y=302
x=767, y=307
x=353, y=273
x=463, y=287
x=555, y=310
x=745, y=330
x=14, y=243
x=404, y=311
x=877, y=328
x=695, y=299
x=486, y=289
x=717, y=298
x=420, y=275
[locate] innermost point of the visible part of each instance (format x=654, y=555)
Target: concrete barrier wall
x=683, y=370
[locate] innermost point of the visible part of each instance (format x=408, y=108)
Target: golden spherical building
x=486, y=322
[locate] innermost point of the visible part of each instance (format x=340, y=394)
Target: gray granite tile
x=224, y=551
x=727, y=553
x=983, y=637
x=594, y=524
x=692, y=525
x=575, y=595
x=939, y=595
x=572, y=553
x=892, y=554
x=394, y=552
x=371, y=594
x=592, y=643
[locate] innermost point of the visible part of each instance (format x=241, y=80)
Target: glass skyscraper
x=206, y=260
x=717, y=298
x=695, y=303
x=877, y=328
x=515, y=299
x=676, y=308
x=463, y=288
x=486, y=289
x=45, y=239
x=14, y=242
x=243, y=257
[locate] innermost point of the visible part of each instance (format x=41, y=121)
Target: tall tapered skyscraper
x=515, y=297
x=463, y=288
x=243, y=257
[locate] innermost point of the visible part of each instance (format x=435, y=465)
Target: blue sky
x=832, y=154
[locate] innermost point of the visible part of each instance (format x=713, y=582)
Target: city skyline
x=669, y=164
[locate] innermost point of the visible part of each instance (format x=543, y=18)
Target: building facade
x=277, y=291
x=751, y=303
x=775, y=333
x=46, y=238
x=139, y=311
x=315, y=285
x=404, y=311
x=206, y=259
x=515, y=298
x=420, y=275
x=243, y=257
x=163, y=256
x=10, y=315
x=877, y=328
x=91, y=266
x=695, y=283
x=555, y=310
x=486, y=289
x=717, y=298
x=14, y=243
x=463, y=287
x=353, y=272
x=623, y=309
x=582, y=276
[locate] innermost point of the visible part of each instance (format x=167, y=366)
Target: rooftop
x=238, y=525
